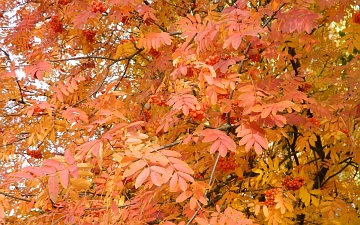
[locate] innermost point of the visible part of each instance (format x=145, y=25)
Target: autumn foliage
x=179, y=112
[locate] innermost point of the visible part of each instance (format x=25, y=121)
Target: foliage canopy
x=179, y=112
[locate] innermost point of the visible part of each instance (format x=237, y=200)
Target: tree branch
x=335, y=174
x=107, y=74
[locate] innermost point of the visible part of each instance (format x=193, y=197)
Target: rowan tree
x=179, y=112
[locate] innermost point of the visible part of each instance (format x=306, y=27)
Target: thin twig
x=210, y=181
x=58, y=220
x=83, y=57
x=14, y=197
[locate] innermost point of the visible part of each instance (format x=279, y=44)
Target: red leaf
x=186, y=176
x=114, y=208
x=173, y=181
x=215, y=146
x=37, y=70
x=53, y=163
x=193, y=203
x=73, y=170
x=34, y=170
x=170, y=153
x=134, y=167
x=182, y=183
x=156, y=179
x=53, y=188
x=142, y=177
x=201, y=221
x=184, y=168
x=64, y=177
x=83, y=17
x=21, y=175
x=155, y=40
x=69, y=157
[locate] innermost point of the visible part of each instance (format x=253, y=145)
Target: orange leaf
x=183, y=196
x=193, y=203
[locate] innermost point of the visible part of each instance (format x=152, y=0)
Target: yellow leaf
x=263, y=165
x=276, y=164
x=257, y=171
x=357, y=37
x=351, y=48
x=288, y=206
x=85, y=165
x=331, y=215
x=325, y=209
x=265, y=211
x=257, y=209
x=304, y=196
x=82, y=173
x=239, y=172
x=121, y=200
x=315, y=201
x=52, y=135
x=270, y=163
x=356, y=44
x=80, y=184
x=315, y=192
x=59, y=159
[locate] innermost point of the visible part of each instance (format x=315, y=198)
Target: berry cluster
x=89, y=35
x=96, y=170
x=191, y=71
x=64, y=2
x=88, y=64
x=224, y=96
x=97, y=6
x=56, y=25
x=305, y=87
x=97, y=209
x=145, y=116
x=38, y=110
x=212, y=60
x=244, y=7
x=228, y=163
x=148, y=22
x=345, y=131
x=160, y=101
x=255, y=57
x=313, y=121
x=154, y=53
x=125, y=20
x=356, y=17
x=152, y=127
x=197, y=115
x=198, y=176
x=36, y=154
x=270, y=197
x=233, y=120
x=293, y=183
